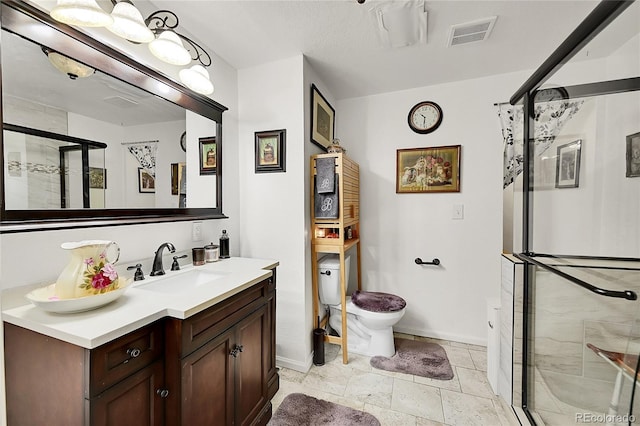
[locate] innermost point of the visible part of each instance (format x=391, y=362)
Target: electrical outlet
x=458, y=212
x=196, y=231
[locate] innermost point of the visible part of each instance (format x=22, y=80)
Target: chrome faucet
x=157, y=268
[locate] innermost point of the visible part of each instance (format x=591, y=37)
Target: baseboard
x=472, y=340
x=291, y=364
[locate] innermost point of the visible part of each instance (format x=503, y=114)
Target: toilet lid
x=377, y=302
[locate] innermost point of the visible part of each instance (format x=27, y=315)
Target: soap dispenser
x=224, y=245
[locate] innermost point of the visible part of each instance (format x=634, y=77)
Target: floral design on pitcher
x=100, y=277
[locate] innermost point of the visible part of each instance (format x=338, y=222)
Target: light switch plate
x=458, y=211
x=196, y=231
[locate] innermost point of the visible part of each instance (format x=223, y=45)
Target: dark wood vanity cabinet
x=214, y=368
x=224, y=360
x=52, y=382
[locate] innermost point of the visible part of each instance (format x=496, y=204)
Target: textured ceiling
x=339, y=39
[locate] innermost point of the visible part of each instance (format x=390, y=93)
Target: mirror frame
x=30, y=22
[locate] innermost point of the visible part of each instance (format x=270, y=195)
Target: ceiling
x=340, y=41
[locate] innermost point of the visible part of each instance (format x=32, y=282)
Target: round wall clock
x=425, y=117
x=183, y=141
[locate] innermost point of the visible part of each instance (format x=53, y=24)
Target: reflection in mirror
x=138, y=128
x=145, y=119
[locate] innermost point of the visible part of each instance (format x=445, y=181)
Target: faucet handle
x=138, y=275
x=175, y=266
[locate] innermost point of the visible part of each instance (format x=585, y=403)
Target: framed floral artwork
x=434, y=169
x=208, y=155
x=322, y=119
x=568, y=165
x=271, y=151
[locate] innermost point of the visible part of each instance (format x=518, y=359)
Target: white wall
x=273, y=211
x=446, y=301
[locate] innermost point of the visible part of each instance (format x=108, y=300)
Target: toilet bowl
x=370, y=315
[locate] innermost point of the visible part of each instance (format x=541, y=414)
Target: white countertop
x=141, y=305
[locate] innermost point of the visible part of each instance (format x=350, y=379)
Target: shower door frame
x=605, y=13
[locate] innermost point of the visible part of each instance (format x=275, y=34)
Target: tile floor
x=403, y=399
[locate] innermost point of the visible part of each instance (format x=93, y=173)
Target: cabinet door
x=135, y=401
x=252, y=363
x=207, y=384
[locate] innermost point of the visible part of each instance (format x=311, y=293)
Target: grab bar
x=419, y=261
x=626, y=294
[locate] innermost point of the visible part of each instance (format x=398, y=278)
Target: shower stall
x=573, y=163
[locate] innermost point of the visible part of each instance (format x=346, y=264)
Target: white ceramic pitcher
x=89, y=271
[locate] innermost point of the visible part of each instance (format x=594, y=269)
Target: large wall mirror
x=123, y=144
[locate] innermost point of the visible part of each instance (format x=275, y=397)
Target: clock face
x=425, y=117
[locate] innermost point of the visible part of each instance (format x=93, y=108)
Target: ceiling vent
x=120, y=101
x=470, y=32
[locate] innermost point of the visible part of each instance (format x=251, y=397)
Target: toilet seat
x=373, y=301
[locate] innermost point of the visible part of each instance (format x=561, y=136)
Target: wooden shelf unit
x=348, y=173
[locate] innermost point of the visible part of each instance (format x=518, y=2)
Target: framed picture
x=174, y=178
x=568, y=165
x=146, y=182
x=208, y=156
x=271, y=151
x=97, y=178
x=322, y=119
x=434, y=169
x=633, y=155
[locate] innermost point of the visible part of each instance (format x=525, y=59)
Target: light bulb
x=169, y=48
x=129, y=24
x=197, y=79
x=82, y=13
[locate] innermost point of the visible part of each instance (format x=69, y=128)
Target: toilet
x=370, y=315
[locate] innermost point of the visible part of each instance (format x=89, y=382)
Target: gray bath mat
x=418, y=358
x=298, y=409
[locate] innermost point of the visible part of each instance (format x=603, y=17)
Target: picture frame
x=174, y=178
x=270, y=151
x=97, y=178
x=428, y=170
x=146, y=182
x=633, y=155
x=208, y=155
x=322, y=119
x=568, y=164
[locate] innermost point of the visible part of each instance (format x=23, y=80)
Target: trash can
x=318, y=346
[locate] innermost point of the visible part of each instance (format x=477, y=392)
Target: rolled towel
x=325, y=172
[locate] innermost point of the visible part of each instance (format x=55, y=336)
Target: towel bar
x=419, y=261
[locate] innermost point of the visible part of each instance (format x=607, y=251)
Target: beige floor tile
x=474, y=382
x=289, y=375
x=388, y=417
x=468, y=410
x=328, y=378
x=459, y=357
x=370, y=388
x=416, y=399
x=432, y=340
x=479, y=359
x=505, y=413
x=426, y=422
x=453, y=384
x=404, y=336
x=468, y=346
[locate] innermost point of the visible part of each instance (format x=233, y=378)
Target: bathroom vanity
x=153, y=357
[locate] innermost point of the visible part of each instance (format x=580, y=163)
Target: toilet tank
x=329, y=279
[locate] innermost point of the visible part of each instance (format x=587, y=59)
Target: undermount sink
x=181, y=282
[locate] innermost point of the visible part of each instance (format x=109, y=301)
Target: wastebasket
x=318, y=346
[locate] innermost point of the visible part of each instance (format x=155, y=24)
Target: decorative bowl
x=46, y=299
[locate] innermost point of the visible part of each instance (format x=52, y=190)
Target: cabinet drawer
x=202, y=327
x=113, y=361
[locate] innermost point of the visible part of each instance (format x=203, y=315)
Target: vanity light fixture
x=83, y=13
x=129, y=24
x=168, y=48
x=66, y=65
x=197, y=79
x=158, y=30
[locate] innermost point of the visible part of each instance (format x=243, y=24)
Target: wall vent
x=120, y=101
x=470, y=32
